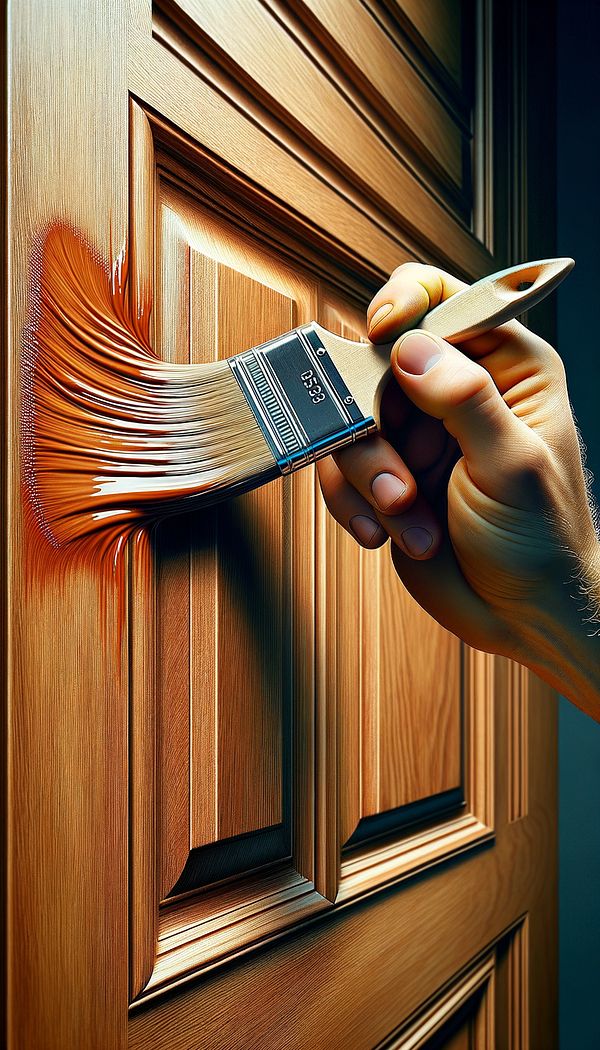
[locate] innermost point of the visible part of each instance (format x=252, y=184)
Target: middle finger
x=379, y=474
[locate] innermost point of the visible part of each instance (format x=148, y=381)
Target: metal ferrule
x=299, y=398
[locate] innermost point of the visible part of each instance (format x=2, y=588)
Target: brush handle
x=484, y=305
x=495, y=299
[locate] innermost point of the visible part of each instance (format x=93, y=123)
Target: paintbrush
x=114, y=437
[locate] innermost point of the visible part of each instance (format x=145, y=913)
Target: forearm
x=561, y=643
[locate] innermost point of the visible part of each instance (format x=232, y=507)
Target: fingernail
x=417, y=352
x=364, y=528
x=387, y=490
x=380, y=314
x=417, y=540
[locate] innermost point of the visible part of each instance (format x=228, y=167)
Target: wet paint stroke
x=113, y=437
x=80, y=347
x=79, y=326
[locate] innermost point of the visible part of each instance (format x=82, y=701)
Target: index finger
x=406, y=297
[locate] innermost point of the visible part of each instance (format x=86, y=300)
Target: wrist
x=560, y=640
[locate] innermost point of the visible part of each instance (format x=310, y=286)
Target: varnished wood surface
x=348, y=173
x=407, y=711
x=389, y=80
x=441, y=24
x=289, y=184
x=231, y=712
x=404, y=959
x=67, y=713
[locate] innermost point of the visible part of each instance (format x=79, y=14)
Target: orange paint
x=81, y=347
x=113, y=437
x=83, y=356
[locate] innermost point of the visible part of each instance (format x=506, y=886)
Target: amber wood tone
x=232, y=691
x=283, y=808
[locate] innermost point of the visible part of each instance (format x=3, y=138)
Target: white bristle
x=112, y=436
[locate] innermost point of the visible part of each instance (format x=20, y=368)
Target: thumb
x=501, y=452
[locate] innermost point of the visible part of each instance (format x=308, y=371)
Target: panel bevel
x=200, y=38
x=518, y=740
x=435, y=839
x=470, y=998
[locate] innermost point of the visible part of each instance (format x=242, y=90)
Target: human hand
x=477, y=478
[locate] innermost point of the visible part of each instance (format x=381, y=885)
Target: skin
x=492, y=531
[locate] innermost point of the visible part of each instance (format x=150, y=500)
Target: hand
x=477, y=478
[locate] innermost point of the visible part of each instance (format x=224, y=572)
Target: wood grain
x=142, y=732
x=67, y=713
x=406, y=712
x=269, y=176
x=358, y=177
x=441, y=26
x=172, y=568
x=231, y=692
x=404, y=961
x=253, y=585
x=381, y=80
x=460, y=1018
x=203, y=696
x=518, y=741
x=420, y=701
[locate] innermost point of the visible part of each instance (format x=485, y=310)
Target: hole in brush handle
x=496, y=299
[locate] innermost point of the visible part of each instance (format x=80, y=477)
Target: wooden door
x=279, y=806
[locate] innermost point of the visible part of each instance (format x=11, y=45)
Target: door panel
x=226, y=621
x=233, y=590
x=295, y=803
x=393, y=700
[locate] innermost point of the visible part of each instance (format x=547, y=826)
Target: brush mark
x=73, y=297
x=81, y=349
x=114, y=437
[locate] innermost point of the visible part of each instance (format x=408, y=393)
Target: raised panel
x=222, y=732
x=373, y=86
x=223, y=581
x=415, y=710
x=399, y=671
x=419, y=740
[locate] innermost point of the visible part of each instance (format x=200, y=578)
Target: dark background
x=578, y=235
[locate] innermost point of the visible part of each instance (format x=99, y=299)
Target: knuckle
x=419, y=273
x=405, y=267
x=534, y=460
x=545, y=356
x=530, y=472
x=555, y=363
x=471, y=386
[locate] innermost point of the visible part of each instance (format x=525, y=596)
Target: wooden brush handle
x=495, y=299
x=484, y=305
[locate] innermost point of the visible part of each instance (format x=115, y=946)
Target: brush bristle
x=112, y=435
